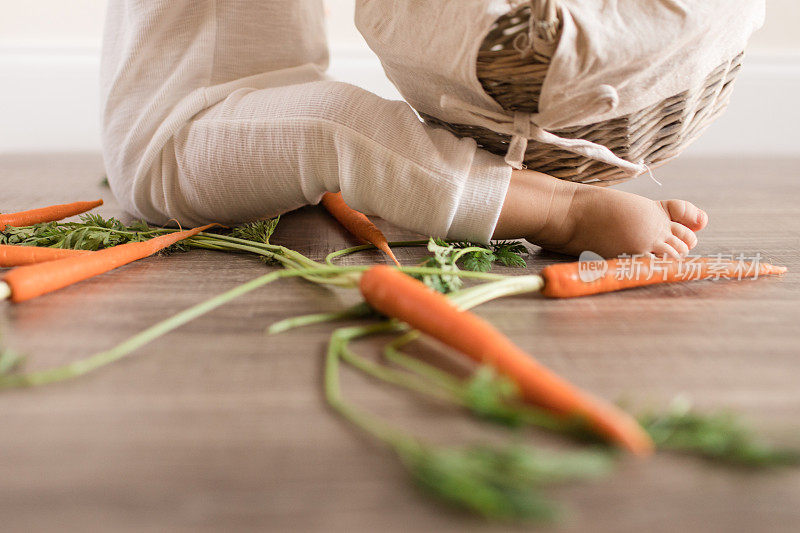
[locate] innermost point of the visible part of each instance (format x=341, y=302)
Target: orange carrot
x=11, y=256
x=400, y=296
x=357, y=223
x=34, y=280
x=46, y=214
x=569, y=280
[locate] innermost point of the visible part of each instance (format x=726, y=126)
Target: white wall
x=48, y=78
x=78, y=23
x=780, y=35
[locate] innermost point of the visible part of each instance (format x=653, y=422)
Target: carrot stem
x=87, y=365
x=423, y=378
x=46, y=214
x=101, y=359
x=389, y=375
x=364, y=247
x=360, y=310
x=406, y=299
x=333, y=390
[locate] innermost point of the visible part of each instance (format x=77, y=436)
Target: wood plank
x=217, y=427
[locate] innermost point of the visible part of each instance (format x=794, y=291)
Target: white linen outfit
x=613, y=58
x=220, y=111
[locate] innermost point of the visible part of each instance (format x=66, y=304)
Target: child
x=219, y=110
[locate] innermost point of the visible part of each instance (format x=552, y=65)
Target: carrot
x=400, y=296
x=569, y=280
x=46, y=214
x=357, y=223
x=27, y=282
x=11, y=256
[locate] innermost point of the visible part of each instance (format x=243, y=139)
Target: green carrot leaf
x=496, y=398
x=474, y=257
x=490, y=396
x=478, y=261
x=720, y=437
x=10, y=360
x=504, y=483
x=260, y=231
x=442, y=258
x=510, y=259
x=91, y=233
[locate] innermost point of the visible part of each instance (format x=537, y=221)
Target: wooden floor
x=216, y=427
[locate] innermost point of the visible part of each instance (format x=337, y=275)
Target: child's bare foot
x=610, y=223
x=572, y=218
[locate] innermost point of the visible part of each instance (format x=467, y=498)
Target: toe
x=666, y=250
x=681, y=247
x=684, y=234
x=686, y=213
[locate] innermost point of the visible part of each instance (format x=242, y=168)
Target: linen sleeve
x=263, y=152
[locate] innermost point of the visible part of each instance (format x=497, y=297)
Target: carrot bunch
x=496, y=475
x=43, y=270
x=27, y=282
x=11, y=256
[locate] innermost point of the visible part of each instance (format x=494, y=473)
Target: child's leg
x=264, y=152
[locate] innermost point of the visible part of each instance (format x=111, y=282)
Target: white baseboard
x=51, y=102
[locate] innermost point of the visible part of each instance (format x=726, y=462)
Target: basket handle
x=545, y=26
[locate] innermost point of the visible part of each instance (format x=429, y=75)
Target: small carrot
x=46, y=214
x=357, y=223
x=11, y=255
x=569, y=280
x=27, y=282
x=400, y=296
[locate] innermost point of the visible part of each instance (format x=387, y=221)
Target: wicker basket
x=512, y=66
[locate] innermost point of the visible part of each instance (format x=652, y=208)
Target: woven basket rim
x=513, y=64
